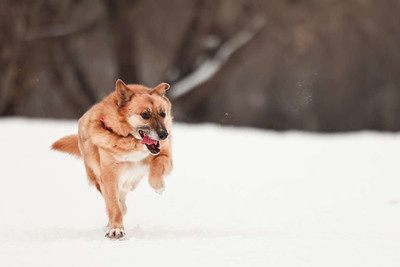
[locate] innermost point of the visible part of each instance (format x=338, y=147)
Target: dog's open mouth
x=152, y=145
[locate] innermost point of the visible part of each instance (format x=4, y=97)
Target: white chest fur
x=131, y=169
x=130, y=175
x=134, y=156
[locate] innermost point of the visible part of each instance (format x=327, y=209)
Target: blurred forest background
x=315, y=65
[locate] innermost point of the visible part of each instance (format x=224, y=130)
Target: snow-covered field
x=237, y=197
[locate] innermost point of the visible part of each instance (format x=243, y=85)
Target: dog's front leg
x=110, y=191
x=159, y=166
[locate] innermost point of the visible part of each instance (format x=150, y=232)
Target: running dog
x=122, y=139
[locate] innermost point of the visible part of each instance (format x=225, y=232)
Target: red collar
x=103, y=121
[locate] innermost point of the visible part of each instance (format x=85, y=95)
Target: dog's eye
x=162, y=114
x=145, y=116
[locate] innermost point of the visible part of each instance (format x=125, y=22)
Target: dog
x=122, y=139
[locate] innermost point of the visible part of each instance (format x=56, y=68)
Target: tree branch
x=210, y=67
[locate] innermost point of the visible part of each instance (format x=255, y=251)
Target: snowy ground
x=237, y=197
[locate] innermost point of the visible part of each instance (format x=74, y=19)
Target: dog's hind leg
x=92, y=177
x=122, y=199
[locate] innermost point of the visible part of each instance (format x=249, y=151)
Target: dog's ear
x=161, y=88
x=124, y=93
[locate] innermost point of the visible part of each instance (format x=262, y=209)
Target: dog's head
x=147, y=111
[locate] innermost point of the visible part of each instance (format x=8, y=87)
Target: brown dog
x=121, y=139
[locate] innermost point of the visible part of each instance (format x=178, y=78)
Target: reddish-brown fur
x=68, y=144
x=107, y=154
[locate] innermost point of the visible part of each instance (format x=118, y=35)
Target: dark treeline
x=317, y=65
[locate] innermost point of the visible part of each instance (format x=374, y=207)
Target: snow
x=237, y=197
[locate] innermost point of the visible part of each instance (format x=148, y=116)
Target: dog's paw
x=160, y=190
x=115, y=233
x=157, y=185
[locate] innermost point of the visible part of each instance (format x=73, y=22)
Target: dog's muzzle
x=152, y=145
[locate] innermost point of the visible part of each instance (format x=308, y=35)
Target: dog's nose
x=162, y=134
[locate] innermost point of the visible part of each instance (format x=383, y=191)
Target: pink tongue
x=148, y=141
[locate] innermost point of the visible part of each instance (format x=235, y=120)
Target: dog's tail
x=68, y=144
